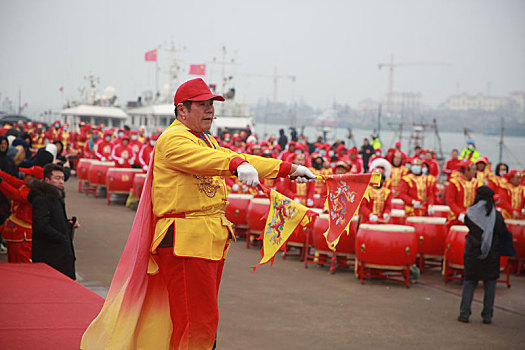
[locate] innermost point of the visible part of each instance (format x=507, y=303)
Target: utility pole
x=501, y=140
x=379, y=120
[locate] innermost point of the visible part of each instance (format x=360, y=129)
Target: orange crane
x=391, y=66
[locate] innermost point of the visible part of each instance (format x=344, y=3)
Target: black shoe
x=487, y=321
x=463, y=319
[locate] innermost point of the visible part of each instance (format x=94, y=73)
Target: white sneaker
x=3, y=249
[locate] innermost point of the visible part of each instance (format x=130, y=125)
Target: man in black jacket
x=52, y=230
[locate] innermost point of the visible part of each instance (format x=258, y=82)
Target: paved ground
x=289, y=307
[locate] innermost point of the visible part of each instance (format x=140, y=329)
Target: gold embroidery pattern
x=207, y=185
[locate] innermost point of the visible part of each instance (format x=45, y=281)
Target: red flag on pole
x=151, y=56
x=197, y=69
x=345, y=193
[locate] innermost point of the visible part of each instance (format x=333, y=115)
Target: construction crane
x=391, y=66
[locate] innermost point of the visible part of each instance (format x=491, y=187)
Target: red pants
x=19, y=252
x=193, y=288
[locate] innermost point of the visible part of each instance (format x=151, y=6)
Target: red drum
x=119, y=181
x=97, y=173
x=138, y=183
x=517, y=228
x=397, y=203
x=441, y=211
x=257, y=215
x=432, y=233
x=385, y=248
x=237, y=209
x=82, y=172
x=397, y=217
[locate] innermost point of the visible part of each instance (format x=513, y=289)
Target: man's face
x=428, y=155
x=299, y=160
x=480, y=166
x=397, y=160
x=454, y=154
x=56, y=179
x=3, y=146
x=470, y=172
x=200, y=116
x=515, y=180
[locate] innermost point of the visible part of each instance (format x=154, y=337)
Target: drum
x=455, y=246
x=119, y=181
x=138, y=183
x=237, y=209
x=431, y=232
x=517, y=228
x=397, y=203
x=82, y=172
x=258, y=210
x=441, y=211
x=320, y=226
x=97, y=175
x=397, y=217
x=386, y=246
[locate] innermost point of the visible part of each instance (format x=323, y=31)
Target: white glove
x=103, y=159
x=303, y=174
x=309, y=202
x=297, y=200
x=373, y=217
x=247, y=174
x=145, y=168
x=245, y=188
x=461, y=217
x=430, y=210
x=386, y=216
x=121, y=161
x=417, y=204
x=235, y=187
x=261, y=193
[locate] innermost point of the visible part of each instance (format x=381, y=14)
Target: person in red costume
x=54, y=131
x=417, y=191
x=286, y=153
x=355, y=161
x=134, y=141
x=146, y=151
x=461, y=191
x=65, y=135
x=103, y=147
x=123, y=154
x=378, y=206
x=398, y=171
x=451, y=165
x=433, y=166
x=17, y=231
x=378, y=153
x=512, y=196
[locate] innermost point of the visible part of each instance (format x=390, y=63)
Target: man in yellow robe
x=191, y=234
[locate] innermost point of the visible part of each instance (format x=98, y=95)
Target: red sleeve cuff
x=234, y=163
x=284, y=169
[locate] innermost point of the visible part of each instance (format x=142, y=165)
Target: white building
x=479, y=102
x=94, y=115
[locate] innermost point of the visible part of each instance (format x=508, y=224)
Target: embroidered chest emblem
x=207, y=185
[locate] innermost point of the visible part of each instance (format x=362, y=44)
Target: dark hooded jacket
x=52, y=231
x=7, y=163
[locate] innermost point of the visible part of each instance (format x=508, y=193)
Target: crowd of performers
x=416, y=179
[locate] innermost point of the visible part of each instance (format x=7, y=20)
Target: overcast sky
x=332, y=47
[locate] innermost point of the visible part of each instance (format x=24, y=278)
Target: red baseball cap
x=35, y=171
x=195, y=90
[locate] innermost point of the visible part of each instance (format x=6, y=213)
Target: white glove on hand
x=309, y=202
x=145, y=168
x=303, y=174
x=461, y=217
x=235, y=187
x=103, y=159
x=417, y=204
x=373, y=217
x=430, y=210
x=247, y=174
x=386, y=216
x=121, y=161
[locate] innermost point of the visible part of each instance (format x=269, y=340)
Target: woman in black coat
x=482, y=252
x=52, y=231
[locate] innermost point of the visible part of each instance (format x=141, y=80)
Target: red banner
x=345, y=193
x=151, y=56
x=197, y=69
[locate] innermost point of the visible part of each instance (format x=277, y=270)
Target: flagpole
x=156, y=73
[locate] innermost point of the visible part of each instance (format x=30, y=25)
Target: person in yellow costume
x=187, y=236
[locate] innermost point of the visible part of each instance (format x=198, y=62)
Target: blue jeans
x=488, y=299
